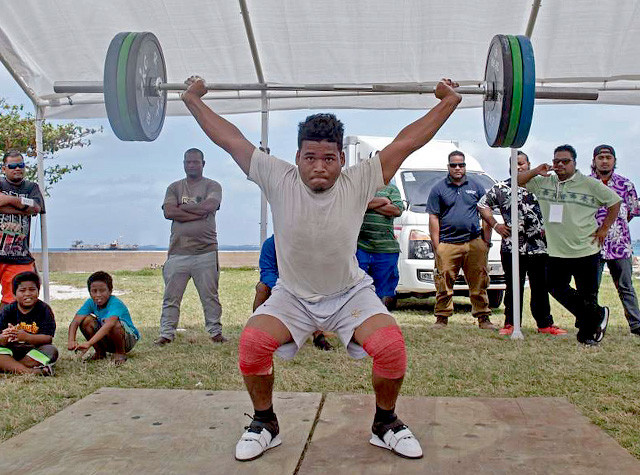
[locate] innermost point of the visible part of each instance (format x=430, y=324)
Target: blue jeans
x=383, y=269
x=622, y=274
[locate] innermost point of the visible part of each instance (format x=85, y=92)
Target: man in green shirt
x=378, y=249
x=569, y=201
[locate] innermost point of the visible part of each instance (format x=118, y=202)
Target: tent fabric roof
x=357, y=42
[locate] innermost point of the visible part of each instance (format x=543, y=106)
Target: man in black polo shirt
x=456, y=235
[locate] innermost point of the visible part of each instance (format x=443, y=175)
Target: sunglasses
x=457, y=165
x=13, y=166
x=564, y=161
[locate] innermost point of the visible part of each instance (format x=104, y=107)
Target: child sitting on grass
x=104, y=321
x=27, y=328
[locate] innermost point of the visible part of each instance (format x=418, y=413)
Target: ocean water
x=221, y=248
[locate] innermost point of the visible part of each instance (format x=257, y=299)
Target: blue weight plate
x=110, y=85
x=498, y=76
x=528, y=91
x=145, y=66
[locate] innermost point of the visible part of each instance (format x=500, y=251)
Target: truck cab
x=415, y=178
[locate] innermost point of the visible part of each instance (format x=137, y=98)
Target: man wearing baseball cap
x=617, y=250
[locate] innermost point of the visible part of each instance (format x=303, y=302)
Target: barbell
x=135, y=88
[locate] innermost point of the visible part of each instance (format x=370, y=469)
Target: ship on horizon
x=114, y=245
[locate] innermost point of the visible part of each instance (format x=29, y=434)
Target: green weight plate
x=498, y=76
x=110, y=82
x=145, y=66
x=129, y=87
x=516, y=102
x=528, y=91
x=130, y=133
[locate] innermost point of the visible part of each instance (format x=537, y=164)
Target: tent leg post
x=43, y=217
x=515, y=249
x=264, y=141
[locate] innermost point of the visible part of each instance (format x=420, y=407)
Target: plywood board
x=157, y=431
x=478, y=436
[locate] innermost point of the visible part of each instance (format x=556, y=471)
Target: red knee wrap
x=255, y=352
x=386, y=347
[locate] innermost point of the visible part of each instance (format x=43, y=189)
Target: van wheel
x=495, y=297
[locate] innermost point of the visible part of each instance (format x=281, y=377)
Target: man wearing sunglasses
x=19, y=200
x=569, y=202
x=458, y=241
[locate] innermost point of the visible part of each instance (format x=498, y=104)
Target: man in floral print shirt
x=617, y=251
x=532, y=249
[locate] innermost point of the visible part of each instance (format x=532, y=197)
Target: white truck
x=420, y=171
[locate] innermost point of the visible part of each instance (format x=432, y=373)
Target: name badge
x=555, y=214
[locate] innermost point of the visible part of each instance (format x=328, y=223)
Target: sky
x=120, y=189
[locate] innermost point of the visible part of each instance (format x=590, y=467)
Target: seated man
x=104, y=321
x=27, y=327
x=268, y=276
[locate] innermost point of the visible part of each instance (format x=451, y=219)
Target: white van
x=420, y=171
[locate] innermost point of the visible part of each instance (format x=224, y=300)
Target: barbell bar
x=542, y=92
x=135, y=88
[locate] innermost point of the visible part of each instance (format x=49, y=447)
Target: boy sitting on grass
x=27, y=328
x=104, y=321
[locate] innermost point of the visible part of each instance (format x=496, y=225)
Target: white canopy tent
x=577, y=42
x=331, y=42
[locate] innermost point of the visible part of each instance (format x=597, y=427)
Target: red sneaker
x=507, y=330
x=552, y=330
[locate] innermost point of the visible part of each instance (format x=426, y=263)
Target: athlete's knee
x=255, y=352
x=386, y=347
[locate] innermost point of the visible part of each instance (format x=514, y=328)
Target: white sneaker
x=396, y=437
x=257, y=439
x=602, y=327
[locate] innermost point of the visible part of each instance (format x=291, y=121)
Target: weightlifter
x=317, y=210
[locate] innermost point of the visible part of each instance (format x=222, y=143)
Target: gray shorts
x=341, y=314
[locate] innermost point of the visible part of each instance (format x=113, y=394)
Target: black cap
x=602, y=147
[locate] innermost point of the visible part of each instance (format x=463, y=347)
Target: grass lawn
x=461, y=360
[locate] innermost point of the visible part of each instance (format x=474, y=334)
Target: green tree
x=17, y=131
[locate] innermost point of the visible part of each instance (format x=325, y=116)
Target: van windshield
x=417, y=185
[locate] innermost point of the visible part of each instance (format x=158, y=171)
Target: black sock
x=385, y=416
x=266, y=415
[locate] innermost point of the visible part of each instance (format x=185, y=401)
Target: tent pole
x=264, y=139
x=533, y=16
x=252, y=40
x=264, y=142
x=43, y=216
x=515, y=249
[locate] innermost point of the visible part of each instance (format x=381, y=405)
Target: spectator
x=105, y=322
x=378, y=249
x=617, y=251
x=458, y=242
x=19, y=200
x=192, y=203
x=27, y=328
x=569, y=201
x=532, y=250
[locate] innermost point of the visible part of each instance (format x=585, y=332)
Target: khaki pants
x=472, y=258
